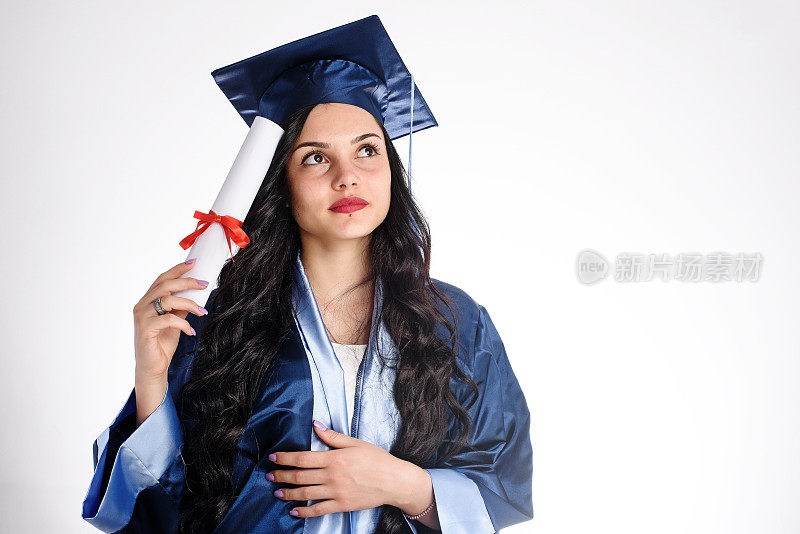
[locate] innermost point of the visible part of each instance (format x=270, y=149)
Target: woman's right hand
x=156, y=336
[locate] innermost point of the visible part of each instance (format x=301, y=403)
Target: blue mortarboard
x=355, y=63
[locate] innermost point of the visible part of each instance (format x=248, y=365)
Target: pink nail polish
x=294, y=513
x=279, y=493
x=320, y=425
x=191, y=260
x=272, y=457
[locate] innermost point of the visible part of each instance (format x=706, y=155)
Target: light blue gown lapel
x=376, y=418
x=325, y=367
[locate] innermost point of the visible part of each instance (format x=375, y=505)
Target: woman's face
x=340, y=154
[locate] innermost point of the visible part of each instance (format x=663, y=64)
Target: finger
x=320, y=508
x=333, y=438
x=306, y=493
x=168, y=320
x=174, y=285
x=145, y=304
x=172, y=303
x=300, y=477
x=173, y=272
x=301, y=458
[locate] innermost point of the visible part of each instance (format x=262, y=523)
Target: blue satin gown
x=138, y=472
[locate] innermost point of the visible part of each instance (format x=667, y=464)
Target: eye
x=318, y=158
x=373, y=150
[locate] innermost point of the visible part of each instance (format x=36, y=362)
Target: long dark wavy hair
x=252, y=315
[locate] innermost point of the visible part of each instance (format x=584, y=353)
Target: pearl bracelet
x=428, y=509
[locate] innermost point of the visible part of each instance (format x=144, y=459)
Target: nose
x=347, y=177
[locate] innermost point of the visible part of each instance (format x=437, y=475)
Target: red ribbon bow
x=231, y=225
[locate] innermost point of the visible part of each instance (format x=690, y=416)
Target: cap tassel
x=410, y=131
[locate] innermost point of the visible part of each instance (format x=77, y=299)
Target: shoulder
x=481, y=343
x=462, y=302
x=467, y=314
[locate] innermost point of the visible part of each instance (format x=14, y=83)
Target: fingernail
x=205, y=311
x=202, y=282
x=193, y=332
x=279, y=493
x=294, y=513
x=320, y=425
x=191, y=260
x=272, y=457
x=270, y=477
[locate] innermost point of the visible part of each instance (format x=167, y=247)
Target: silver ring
x=159, y=308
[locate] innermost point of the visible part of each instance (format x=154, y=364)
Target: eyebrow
x=326, y=145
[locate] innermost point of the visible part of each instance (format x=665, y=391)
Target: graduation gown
x=138, y=472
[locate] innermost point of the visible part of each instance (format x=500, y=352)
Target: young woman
x=329, y=317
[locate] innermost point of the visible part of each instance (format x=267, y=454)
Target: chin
x=356, y=230
x=354, y=233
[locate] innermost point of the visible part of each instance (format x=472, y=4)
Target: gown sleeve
x=138, y=477
x=488, y=488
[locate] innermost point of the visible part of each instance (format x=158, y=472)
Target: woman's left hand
x=355, y=475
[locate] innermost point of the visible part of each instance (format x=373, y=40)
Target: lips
x=348, y=204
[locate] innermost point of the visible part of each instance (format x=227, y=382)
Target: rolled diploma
x=234, y=199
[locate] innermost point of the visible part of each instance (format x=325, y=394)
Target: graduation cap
x=355, y=63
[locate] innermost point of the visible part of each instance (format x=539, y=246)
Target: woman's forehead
x=337, y=120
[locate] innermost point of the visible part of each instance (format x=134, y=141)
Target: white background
x=667, y=127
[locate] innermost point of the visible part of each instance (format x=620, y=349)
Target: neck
x=334, y=267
